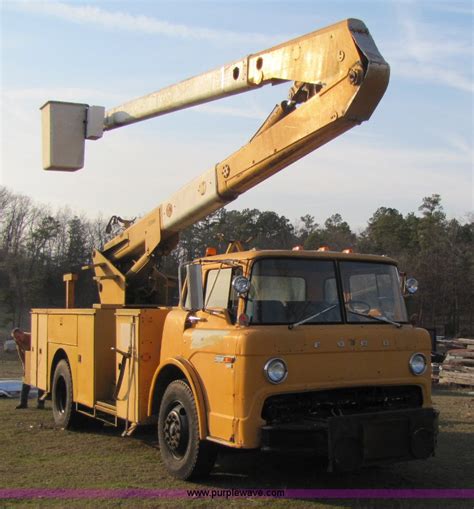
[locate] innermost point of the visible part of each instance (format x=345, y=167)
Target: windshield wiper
x=307, y=319
x=383, y=319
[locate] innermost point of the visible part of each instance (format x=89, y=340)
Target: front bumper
x=352, y=441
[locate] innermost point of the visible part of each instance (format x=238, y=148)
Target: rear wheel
x=64, y=412
x=183, y=454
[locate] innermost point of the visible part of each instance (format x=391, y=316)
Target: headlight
x=275, y=371
x=417, y=363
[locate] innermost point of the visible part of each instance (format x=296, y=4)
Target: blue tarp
x=12, y=389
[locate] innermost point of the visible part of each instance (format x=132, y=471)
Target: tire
x=64, y=413
x=183, y=454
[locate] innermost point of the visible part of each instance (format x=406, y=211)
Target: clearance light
x=323, y=248
x=347, y=250
x=298, y=248
x=211, y=251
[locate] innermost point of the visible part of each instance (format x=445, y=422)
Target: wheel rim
x=61, y=395
x=176, y=430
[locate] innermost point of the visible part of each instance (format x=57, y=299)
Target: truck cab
x=311, y=345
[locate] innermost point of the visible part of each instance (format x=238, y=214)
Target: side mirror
x=195, y=298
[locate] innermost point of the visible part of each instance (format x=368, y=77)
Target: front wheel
x=183, y=454
x=64, y=412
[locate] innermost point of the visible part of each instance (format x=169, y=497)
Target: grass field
x=36, y=454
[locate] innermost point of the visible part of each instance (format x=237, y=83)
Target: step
x=107, y=408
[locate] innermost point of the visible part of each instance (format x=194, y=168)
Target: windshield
x=288, y=290
x=372, y=292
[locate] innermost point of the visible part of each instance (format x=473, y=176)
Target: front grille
x=319, y=405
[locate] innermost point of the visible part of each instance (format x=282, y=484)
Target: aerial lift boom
x=339, y=78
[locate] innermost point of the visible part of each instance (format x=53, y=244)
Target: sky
x=418, y=142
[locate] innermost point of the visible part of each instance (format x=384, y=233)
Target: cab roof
x=254, y=254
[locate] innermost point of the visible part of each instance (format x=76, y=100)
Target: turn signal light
x=226, y=359
x=211, y=251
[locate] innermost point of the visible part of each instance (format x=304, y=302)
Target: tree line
x=38, y=245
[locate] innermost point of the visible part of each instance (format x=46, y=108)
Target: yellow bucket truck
x=303, y=352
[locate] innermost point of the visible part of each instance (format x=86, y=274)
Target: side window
x=218, y=288
x=219, y=292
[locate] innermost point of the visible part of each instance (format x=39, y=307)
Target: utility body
x=306, y=352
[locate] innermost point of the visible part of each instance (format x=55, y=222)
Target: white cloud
x=432, y=54
x=433, y=73
x=428, y=43
x=452, y=8
x=118, y=20
x=459, y=144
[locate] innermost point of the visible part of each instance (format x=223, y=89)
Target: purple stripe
x=380, y=493
x=92, y=493
x=87, y=493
